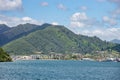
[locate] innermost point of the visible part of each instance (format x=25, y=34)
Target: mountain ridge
x=4, y=28
x=115, y=41
x=58, y=39
x=19, y=31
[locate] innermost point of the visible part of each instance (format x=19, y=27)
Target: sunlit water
x=59, y=70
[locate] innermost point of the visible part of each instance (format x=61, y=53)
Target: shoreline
x=27, y=58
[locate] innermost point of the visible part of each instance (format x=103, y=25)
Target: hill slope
x=18, y=31
x=116, y=41
x=3, y=28
x=56, y=39
x=4, y=56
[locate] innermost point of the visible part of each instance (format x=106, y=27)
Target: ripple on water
x=59, y=70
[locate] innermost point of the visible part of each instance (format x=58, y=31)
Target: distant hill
x=116, y=48
x=116, y=41
x=18, y=31
x=4, y=57
x=54, y=38
x=3, y=28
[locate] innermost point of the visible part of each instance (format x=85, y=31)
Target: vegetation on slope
x=56, y=39
x=4, y=57
x=19, y=31
x=116, y=48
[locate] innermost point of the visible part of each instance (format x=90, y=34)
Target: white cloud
x=13, y=21
x=104, y=34
x=82, y=24
x=77, y=19
x=26, y=19
x=109, y=21
x=62, y=7
x=3, y=22
x=55, y=23
x=44, y=4
x=6, y=5
x=77, y=24
x=80, y=19
x=79, y=16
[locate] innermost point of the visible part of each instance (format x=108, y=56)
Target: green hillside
x=116, y=48
x=4, y=56
x=56, y=39
x=19, y=31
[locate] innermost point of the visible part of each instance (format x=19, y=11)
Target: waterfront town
x=75, y=56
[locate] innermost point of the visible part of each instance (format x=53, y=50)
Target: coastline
x=38, y=57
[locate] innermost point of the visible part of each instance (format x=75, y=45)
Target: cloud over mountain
x=109, y=21
x=13, y=21
x=105, y=34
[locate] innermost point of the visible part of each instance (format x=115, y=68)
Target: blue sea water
x=59, y=70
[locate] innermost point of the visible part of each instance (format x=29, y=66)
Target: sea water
x=59, y=70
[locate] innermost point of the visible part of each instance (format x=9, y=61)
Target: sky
x=99, y=18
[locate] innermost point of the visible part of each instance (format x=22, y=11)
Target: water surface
x=59, y=70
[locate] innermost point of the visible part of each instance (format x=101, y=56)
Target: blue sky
x=88, y=17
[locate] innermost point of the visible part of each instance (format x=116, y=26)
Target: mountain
x=18, y=31
x=116, y=48
x=116, y=41
x=3, y=28
x=4, y=57
x=55, y=38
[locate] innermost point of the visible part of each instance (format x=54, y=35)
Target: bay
x=59, y=70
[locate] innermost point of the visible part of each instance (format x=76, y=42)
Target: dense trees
x=4, y=56
x=56, y=39
x=7, y=35
x=116, y=48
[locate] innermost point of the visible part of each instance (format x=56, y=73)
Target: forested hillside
x=55, y=38
x=4, y=56
x=18, y=31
